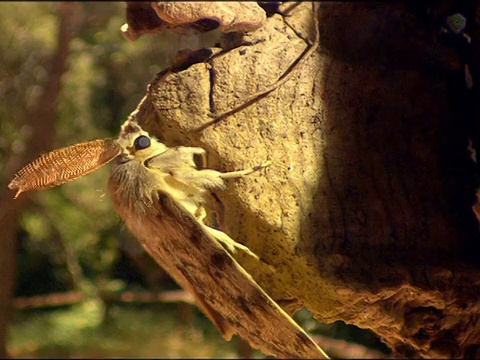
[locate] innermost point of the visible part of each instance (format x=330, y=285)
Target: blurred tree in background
x=63, y=84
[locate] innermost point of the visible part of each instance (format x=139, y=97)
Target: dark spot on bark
x=258, y=300
x=199, y=161
x=472, y=352
x=406, y=350
x=220, y=260
x=445, y=343
x=242, y=303
x=164, y=202
x=303, y=337
x=186, y=58
x=237, y=324
x=421, y=337
x=423, y=319
x=283, y=349
x=270, y=7
x=302, y=340
x=186, y=274
x=196, y=239
x=186, y=217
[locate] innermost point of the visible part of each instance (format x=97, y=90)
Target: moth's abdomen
x=65, y=164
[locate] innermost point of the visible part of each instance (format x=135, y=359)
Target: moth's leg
x=233, y=247
x=201, y=214
x=229, y=244
x=241, y=173
x=197, y=154
x=192, y=150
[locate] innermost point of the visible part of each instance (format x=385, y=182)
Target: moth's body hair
x=159, y=169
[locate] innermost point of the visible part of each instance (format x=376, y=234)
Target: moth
x=162, y=197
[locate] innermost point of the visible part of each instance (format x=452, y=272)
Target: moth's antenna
x=65, y=164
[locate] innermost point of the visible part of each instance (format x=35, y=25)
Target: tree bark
x=366, y=210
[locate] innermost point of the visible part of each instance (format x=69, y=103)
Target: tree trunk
x=366, y=210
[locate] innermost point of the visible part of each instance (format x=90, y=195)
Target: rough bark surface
x=365, y=211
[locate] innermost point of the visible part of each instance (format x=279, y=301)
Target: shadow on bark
x=366, y=210
x=399, y=183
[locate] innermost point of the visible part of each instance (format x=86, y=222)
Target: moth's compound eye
x=142, y=142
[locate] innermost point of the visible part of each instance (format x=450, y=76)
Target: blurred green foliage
x=69, y=237
x=133, y=332
x=106, y=78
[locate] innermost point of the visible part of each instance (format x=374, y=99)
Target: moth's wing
x=224, y=290
x=66, y=164
x=223, y=326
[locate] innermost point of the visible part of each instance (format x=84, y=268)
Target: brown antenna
x=66, y=164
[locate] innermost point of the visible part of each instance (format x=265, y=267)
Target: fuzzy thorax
x=147, y=168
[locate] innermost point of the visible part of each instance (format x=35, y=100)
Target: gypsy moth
x=161, y=195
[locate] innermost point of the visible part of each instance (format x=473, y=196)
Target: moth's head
x=137, y=144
